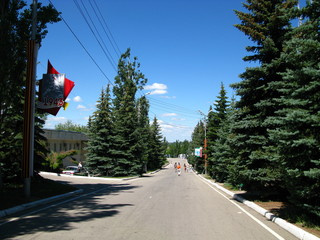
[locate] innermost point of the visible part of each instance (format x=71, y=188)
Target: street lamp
x=205, y=140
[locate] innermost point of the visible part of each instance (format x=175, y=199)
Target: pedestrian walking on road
x=179, y=169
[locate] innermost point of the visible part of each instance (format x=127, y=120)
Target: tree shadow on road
x=61, y=215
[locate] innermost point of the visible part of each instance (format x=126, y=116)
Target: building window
x=54, y=147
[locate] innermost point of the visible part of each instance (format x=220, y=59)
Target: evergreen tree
x=128, y=81
x=166, y=146
x=221, y=161
x=217, y=115
x=157, y=150
x=296, y=139
x=100, y=145
x=176, y=148
x=144, y=133
x=267, y=24
x=15, y=31
x=216, y=119
x=197, y=140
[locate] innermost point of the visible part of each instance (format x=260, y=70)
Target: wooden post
x=29, y=108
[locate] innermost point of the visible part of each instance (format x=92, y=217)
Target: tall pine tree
x=100, y=157
x=216, y=118
x=143, y=151
x=197, y=140
x=128, y=81
x=222, y=163
x=296, y=139
x=267, y=23
x=157, y=147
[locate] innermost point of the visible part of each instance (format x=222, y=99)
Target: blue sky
x=186, y=49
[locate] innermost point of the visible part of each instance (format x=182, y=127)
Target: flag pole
x=29, y=107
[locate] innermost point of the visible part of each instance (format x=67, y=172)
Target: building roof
x=53, y=134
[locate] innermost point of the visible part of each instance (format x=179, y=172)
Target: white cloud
x=81, y=107
x=57, y=119
x=169, y=114
x=52, y=121
x=156, y=88
x=173, y=132
x=164, y=126
x=77, y=99
x=158, y=92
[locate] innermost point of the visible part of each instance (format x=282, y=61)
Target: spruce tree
x=197, y=140
x=157, y=148
x=100, y=160
x=221, y=161
x=176, y=148
x=128, y=81
x=143, y=151
x=296, y=139
x=267, y=24
x=216, y=118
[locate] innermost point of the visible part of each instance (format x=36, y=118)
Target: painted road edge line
x=294, y=230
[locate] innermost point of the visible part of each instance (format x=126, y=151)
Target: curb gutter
x=25, y=206
x=297, y=232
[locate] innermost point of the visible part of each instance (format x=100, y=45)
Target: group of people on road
x=177, y=168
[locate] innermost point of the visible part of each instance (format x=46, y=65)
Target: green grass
x=13, y=194
x=230, y=187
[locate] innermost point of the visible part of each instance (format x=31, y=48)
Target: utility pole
x=205, y=141
x=29, y=106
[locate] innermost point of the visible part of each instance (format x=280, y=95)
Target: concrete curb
x=84, y=177
x=99, y=178
x=297, y=232
x=25, y=206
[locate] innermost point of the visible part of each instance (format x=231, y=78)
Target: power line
x=179, y=113
x=174, y=107
x=84, y=48
x=157, y=103
x=107, y=54
x=104, y=27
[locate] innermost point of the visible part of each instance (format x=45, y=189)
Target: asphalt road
x=160, y=206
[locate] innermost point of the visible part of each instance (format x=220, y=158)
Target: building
x=61, y=141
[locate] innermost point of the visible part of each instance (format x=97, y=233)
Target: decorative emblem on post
x=54, y=89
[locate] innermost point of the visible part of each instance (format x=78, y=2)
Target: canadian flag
x=54, y=89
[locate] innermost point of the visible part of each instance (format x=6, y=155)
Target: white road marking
x=243, y=210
